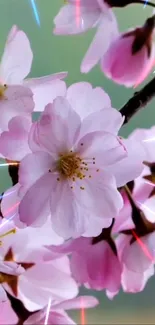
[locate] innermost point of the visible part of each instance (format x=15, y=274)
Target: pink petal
x=58, y=127
x=46, y=89
x=45, y=281
x=105, y=147
x=67, y=215
x=10, y=267
x=124, y=69
x=66, y=22
x=7, y=315
x=34, y=82
x=86, y=100
x=124, y=220
x=106, y=33
x=44, y=235
x=19, y=102
x=96, y=225
x=3, y=298
x=14, y=143
x=79, y=267
x=139, y=256
x=34, y=207
x=78, y=303
x=100, y=197
x=107, y=119
x=135, y=282
x=131, y=166
x=17, y=58
x=100, y=262
x=106, y=200
x=147, y=138
x=33, y=167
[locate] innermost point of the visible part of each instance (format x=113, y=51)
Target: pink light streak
x=48, y=311
x=10, y=209
x=143, y=246
x=78, y=12
x=83, y=316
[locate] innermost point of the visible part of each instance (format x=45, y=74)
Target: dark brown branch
x=138, y=101
x=13, y=172
x=124, y=3
x=19, y=309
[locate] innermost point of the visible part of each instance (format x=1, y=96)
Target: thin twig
x=138, y=101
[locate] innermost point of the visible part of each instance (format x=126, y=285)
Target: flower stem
x=124, y=3
x=138, y=101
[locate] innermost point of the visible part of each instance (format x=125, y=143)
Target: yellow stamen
x=12, y=231
x=2, y=91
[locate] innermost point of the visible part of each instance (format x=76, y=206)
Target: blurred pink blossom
x=93, y=13
x=16, y=65
x=40, y=280
x=57, y=314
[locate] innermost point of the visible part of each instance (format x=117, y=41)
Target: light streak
x=78, y=12
x=48, y=311
x=145, y=3
x=35, y=11
x=149, y=140
x=143, y=246
x=9, y=164
x=7, y=220
x=144, y=206
x=149, y=182
x=10, y=209
x=83, y=318
x=7, y=194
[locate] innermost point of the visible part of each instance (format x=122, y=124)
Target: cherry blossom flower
x=143, y=185
x=136, y=222
x=83, y=183
x=137, y=56
x=7, y=315
x=85, y=99
x=40, y=280
x=131, y=280
x=57, y=314
x=16, y=65
x=93, y=13
x=94, y=263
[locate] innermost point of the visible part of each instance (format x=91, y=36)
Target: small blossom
x=131, y=56
x=57, y=314
x=93, y=13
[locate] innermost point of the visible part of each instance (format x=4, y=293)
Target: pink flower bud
x=131, y=56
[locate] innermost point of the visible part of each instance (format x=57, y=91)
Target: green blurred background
x=58, y=53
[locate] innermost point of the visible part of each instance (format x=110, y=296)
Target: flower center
x=2, y=91
x=71, y=166
x=68, y=165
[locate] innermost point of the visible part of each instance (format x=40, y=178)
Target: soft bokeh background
x=58, y=53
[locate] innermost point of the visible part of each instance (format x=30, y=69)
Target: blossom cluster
x=80, y=211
